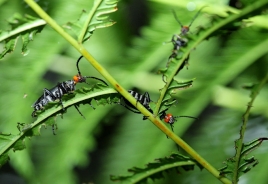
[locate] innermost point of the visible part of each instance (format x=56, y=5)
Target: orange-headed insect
x=56, y=93
x=170, y=119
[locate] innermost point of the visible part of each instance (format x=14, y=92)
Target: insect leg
x=54, y=127
x=79, y=111
x=60, y=93
x=47, y=92
x=33, y=113
x=162, y=114
x=163, y=78
x=146, y=94
x=19, y=125
x=137, y=112
x=126, y=106
x=173, y=39
x=172, y=126
x=48, y=96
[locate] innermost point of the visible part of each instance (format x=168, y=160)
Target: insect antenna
x=95, y=79
x=79, y=73
x=77, y=65
x=185, y=29
x=196, y=16
x=177, y=19
x=171, y=126
x=185, y=117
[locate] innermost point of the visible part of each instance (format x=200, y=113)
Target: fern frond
x=246, y=163
x=156, y=169
x=25, y=27
x=95, y=19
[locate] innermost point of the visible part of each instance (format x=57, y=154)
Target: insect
x=60, y=89
x=178, y=42
x=170, y=119
x=143, y=99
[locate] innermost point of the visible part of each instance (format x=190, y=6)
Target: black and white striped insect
x=142, y=99
x=56, y=93
x=179, y=40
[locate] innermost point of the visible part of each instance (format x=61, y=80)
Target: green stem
x=239, y=142
x=124, y=93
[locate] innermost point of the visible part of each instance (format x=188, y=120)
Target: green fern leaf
x=26, y=27
x=155, y=170
x=245, y=163
x=7, y=142
x=95, y=19
x=175, y=86
x=81, y=96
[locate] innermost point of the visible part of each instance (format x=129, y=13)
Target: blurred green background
x=111, y=139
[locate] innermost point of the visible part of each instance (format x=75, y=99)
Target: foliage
x=226, y=51
x=24, y=27
x=96, y=18
x=155, y=169
x=46, y=116
x=245, y=163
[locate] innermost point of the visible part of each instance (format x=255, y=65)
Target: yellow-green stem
x=124, y=93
